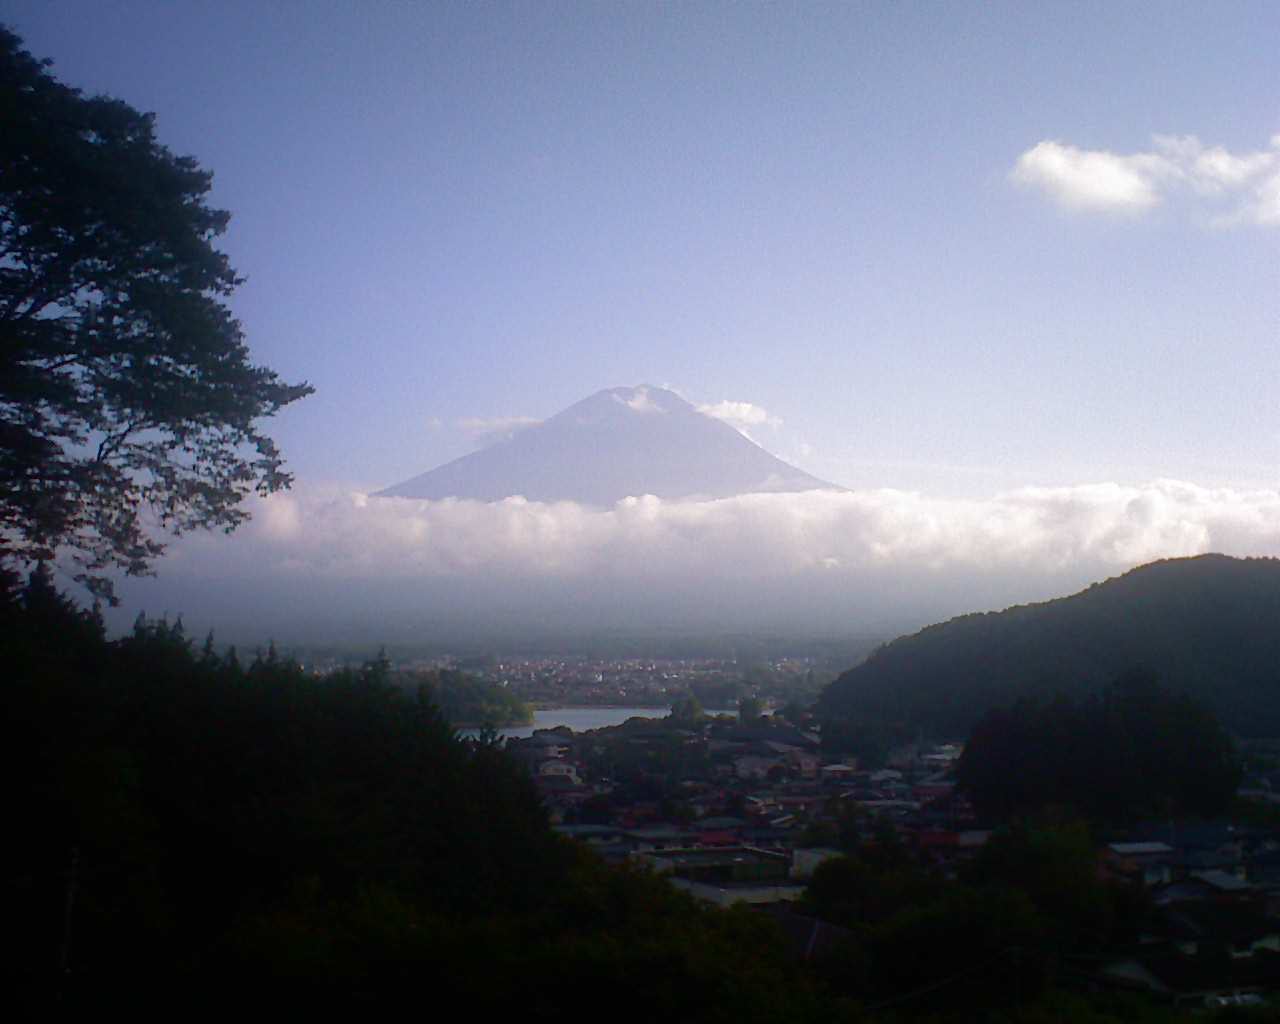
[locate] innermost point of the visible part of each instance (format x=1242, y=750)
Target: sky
x=1008, y=272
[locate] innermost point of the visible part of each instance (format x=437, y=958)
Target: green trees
x=125, y=384
x=1027, y=914
x=1056, y=867
x=194, y=795
x=466, y=701
x=688, y=710
x=1206, y=625
x=1136, y=748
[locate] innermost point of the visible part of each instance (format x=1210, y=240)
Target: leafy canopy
x=126, y=391
x=1135, y=749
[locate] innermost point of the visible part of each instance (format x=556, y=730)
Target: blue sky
x=956, y=250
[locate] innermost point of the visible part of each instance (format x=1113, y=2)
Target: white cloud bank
x=343, y=534
x=324, y=562
x=1233, y=188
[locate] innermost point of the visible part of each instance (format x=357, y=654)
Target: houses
x=1203, y=953
x=747, y=814
x=1142, y=863
x=734, y=814
x=717, y=785
x=1212, y=938
x=739, y=874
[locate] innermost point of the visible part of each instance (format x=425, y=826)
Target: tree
x=793, y=711
x=750, y=710
x=1135, y=749
x=688, y=710
x=1056, y=866
x=126, y=390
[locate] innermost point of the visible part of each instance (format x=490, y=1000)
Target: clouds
x=1089, y=179
x=759, y=537
x=486, y=431
x=638, y=400
x=1226, y=188
x=318, y=562
x=740, y=415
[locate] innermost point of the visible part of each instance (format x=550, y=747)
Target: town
x=747, y=809
x=581, y=680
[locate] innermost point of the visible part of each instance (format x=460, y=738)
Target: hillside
x=1208, y=625
x=312, y=845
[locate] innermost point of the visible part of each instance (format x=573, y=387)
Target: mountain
x=1208, y=625
x=617, y=443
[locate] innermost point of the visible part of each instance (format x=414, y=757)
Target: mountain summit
x=617, y=443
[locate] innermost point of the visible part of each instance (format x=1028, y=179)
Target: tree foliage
x=191, y=792
x=688, y=710
x=1134, y=749
x=126, y=389
x=1209, y=626
x=750, y=710
x=1056, y=866
x=994, y=941
x=465, y=701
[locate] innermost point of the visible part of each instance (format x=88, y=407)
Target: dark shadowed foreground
x=183, y=822
x=189, y=829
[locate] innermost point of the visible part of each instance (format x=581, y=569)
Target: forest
x=1206, y=626
x=464, y=700
x=1133, y=750
x=186, y=822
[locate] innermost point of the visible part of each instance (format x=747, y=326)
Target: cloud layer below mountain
x=787, y=559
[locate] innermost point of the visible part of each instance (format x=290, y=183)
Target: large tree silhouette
x=126, y=389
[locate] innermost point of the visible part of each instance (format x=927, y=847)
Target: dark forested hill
x=1208, y=625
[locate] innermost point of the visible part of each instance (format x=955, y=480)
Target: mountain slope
x=1208, y=625
x=617, y=443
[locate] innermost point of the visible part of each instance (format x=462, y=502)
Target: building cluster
x=1214, y=930
x=638, y=682
x=737, y=812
